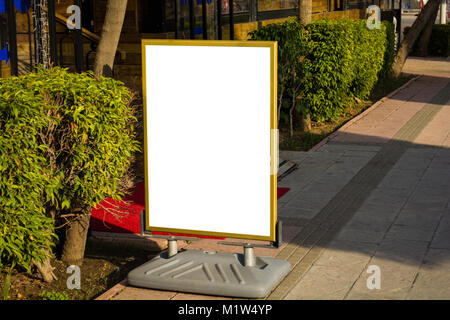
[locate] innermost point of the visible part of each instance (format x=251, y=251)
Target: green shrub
x=439, y=44
x=66, y=141
x=329, y=71
x=25, y=230
x=343, y=59
x=292, y=47
x=373, y=56
x=389, y=53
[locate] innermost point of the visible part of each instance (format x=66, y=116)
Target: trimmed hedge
x=292, y=47
x=439, y=44
x=66, y=140
x=344, y=60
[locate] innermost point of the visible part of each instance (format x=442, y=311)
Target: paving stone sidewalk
x=374, y=193
x=393, y=213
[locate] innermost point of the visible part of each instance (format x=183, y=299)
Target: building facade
x=169, y=19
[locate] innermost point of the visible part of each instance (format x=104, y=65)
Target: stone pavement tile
x=347, y=234
x=435, y=178
x=433, y=280
x=325, y=282
x=386, y=198
x=424, y=203
x=133, y=293
x=378, y=211
x=418, y=152
x=405, y=232
x=399, y=262
x=407, y=252
x=368, y=154
x=436, y=130
x=394, y=192
x=368, y=224
x=440, y=162
x=292, y=155
x=367, y=137
x=293, y=212
x=300, y=178
x=443, y=153
x=348, y=149
x=428, y=66
x=326, y=185
x=313, y=201
x=341, y=253
x=419, y=218
x=400, y=179
x=441, y=238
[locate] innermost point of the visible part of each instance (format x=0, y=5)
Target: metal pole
x=231, y=11
x=191, y=20
x=204, y=22
x=249, y=256
x=255, y=9
x=30, y=46
x=175, y=5
x=172, y=247
x=219, y=19
x=78, y=46
x=12, y=37
x=52, y=30
x=443, y=16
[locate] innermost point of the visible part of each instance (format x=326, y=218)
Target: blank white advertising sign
x=209, y=114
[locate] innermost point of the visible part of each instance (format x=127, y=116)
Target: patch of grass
x=53, y=295
x=303, y=141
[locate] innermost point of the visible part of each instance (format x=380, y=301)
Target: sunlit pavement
x=373, y=197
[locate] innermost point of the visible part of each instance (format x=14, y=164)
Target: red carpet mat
x=124, y=217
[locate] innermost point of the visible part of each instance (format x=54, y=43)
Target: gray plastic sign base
x=210, y=272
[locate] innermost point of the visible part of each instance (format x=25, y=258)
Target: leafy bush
x=66, y=140
x=439, y=44
x=25, y=230
x=329, y=70
x=389, y=53
x=343, y=59
x=346, y=60
x=373, y=56
x=292, y=47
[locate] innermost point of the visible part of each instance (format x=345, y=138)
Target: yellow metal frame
x=273, y=126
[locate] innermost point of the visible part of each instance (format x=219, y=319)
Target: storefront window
x=239, y=6
x=268, y=5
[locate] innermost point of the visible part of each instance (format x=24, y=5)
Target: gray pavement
x=376, y=194
x=368, y=206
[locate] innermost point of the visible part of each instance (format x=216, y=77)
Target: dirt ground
x=105, y=265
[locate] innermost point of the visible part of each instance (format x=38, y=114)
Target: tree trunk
x=75, y=242
x=280, y=104
x=112, y=28
x=422, y=44
x=291, y=121
x=408, y=42
x=306, y=122
x=305, y=11
x=46, y=270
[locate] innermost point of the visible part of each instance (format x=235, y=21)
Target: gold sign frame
x=273, y=134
